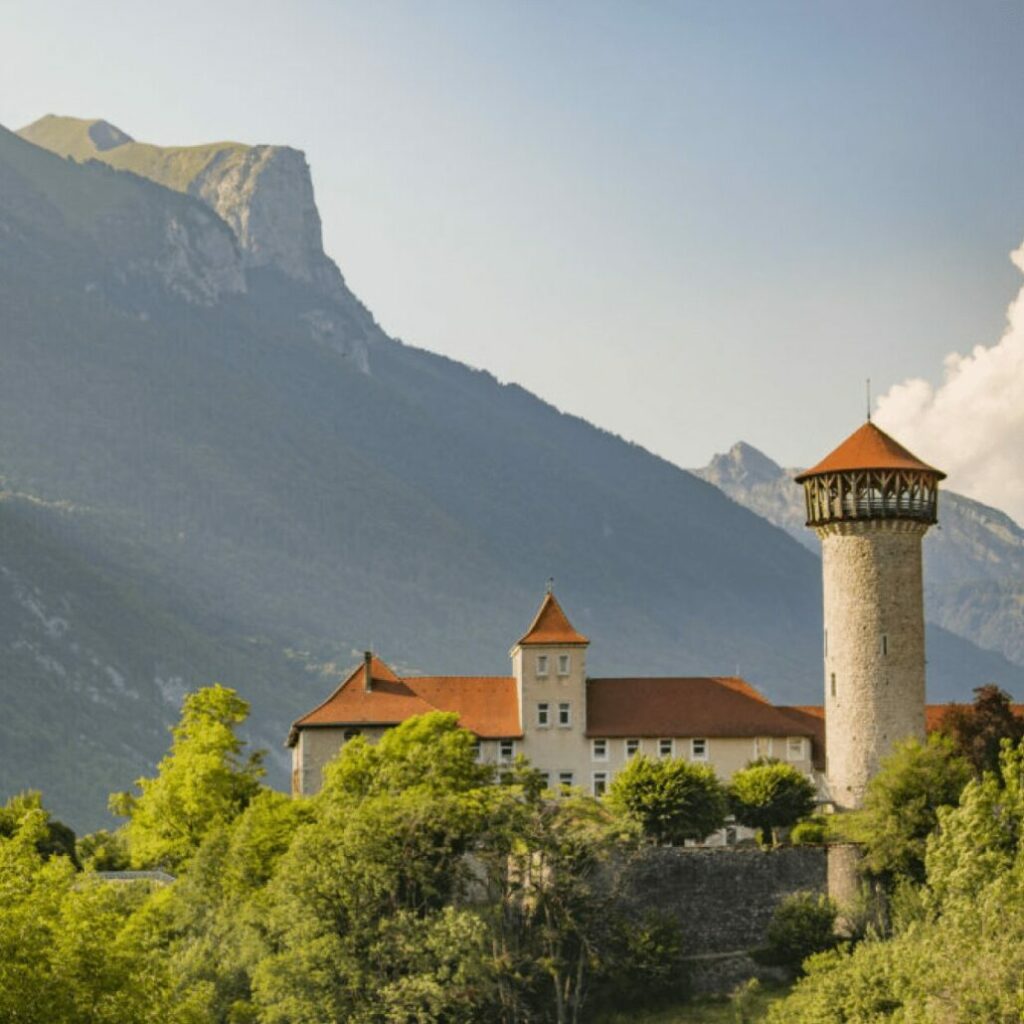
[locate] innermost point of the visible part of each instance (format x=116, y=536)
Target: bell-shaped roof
x=869, y=447
x=551, y=626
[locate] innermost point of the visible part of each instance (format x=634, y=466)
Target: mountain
x=973, y=559
x=270, y=484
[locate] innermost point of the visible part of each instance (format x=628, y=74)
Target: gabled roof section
x=487, y=705
x=684, y=706
x=869, y=447
x=551, y=626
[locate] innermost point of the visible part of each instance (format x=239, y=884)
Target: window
x=699, y=750
x=832, y=684
x=885, y=643
x=632, y=747
x=542, y=664
x=564, y=716
x=545, y=778
x=478, y=749
x=600, y=783
x=506, y=751
x=565, y=778
x=666, y=748
x=762, y=747
x=795, y=748
x=563, y=664
x=543, y=714
x=599, y=750
x=351, y=734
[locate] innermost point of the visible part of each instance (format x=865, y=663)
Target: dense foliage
x=803, y=924
x=901, y=809
x=669, y=799
x=769, y=795
x=977, y=730
x=957, y=949
x=411, y=888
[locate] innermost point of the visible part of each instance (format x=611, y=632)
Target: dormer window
x=542, y=664
x=563, y=664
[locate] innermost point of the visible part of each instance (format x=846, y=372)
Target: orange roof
x=868, y=447
x=487, y=705
x=551, y=626
x=687, y=706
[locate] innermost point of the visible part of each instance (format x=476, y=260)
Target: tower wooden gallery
x=871, y=502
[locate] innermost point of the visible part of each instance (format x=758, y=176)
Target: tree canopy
x=669, y=799
x=769, y=795
x=977, y=730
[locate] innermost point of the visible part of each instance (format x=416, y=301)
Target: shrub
x=803, y=924
x=810, y=832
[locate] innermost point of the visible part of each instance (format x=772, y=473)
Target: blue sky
x=690, y=223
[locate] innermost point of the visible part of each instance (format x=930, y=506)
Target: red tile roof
x=869, y=447
x=686, y=706
x=487, y=705
x=551, y=626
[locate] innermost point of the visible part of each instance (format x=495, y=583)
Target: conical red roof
x=869, y=447
x=551, y=626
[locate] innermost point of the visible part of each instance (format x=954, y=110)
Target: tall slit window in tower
x=832, y=684
x=885, y=643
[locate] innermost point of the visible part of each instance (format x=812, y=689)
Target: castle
x=870, y=501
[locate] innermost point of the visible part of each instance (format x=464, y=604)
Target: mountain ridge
x=292, y=494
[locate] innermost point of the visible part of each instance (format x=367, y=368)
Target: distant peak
x=106, y=136
x=742, y=463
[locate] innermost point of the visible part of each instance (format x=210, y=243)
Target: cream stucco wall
x=874, y=647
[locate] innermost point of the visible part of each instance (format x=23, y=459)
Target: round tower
x=871, y=503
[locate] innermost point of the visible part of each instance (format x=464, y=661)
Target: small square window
x=795, y=748
x=600, y=783
x=762, y=747
x=545, y=778
x=632, y=747
x=543, y=714
x=699, y=750
x=478, y=749
x=542, y=664
x=565, y=778
x=506, y=751
x=563, y=664
x=599, y=750
x=564, y=716
x=666, y=748
x=351, y=734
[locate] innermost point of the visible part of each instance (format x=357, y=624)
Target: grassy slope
x=175, y=167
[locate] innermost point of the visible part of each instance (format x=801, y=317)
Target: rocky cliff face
x=263, y=193
x=974, y=559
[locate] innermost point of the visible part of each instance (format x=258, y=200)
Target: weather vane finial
x=551, y=583
x=869, y=399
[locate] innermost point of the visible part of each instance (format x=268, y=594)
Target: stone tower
x=871, y=503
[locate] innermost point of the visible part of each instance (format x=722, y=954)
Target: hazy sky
x=690, y=223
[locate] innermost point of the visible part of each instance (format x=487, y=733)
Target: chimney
x=368, y=671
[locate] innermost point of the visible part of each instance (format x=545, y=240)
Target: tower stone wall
x=874, y=647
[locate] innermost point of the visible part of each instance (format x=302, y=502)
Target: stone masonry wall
x=874, y=648
x=723, y=899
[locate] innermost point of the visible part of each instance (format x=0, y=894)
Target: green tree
x=670, y=799
x=977, y=730
x=56, y=838
x=770, y=795
x=203, y=782
x=901, y=808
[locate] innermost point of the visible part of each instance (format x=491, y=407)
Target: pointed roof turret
x=551, y=626
x=869, y=447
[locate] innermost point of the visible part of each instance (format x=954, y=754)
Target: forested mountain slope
x=273, y=484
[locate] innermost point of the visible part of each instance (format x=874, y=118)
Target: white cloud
x=972, y=424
